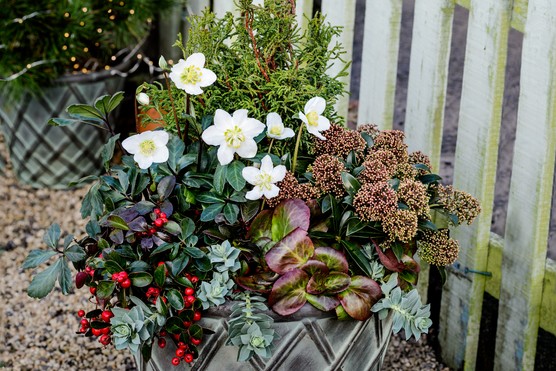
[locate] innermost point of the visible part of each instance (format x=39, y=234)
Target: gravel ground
x=40, y=335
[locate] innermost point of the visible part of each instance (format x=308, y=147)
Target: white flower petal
x=248, y=149
x=240, y=115
x=316, y=104
x=303, y=118
x=266, y=164
x=195, y=59
x=225, y=154
x=144, y=162
x=131, y=144
x=191, y=89
x=323, y=123
x=273, y=119
x=272, y=192
x=252, y=127
x=222, y=119
x=160, y=155
x=254, y=194
x=313, y=130
x=288, y=133
x=250, y=174
x=213, y=135
x=160, y=138
x=143, y=99
x=278, y=173
x=207, y=77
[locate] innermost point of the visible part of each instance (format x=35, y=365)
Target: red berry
x=161, y=342
x=157, y=211
x=164, y=220
x=152, y=230
x=197, y=316
x=187, y=323
x=180, y=352
x=188, y=276
x=92, y=272
x=115, y=276
x=158, y=223
x=104, y=339
x=159, y=264
x=162, y=215
x=88, y=269
x=84, y=323
x=125, y=284
x=105, y=330
x=194, y=279
x=81, y=313
x=175, y=361
x=188, y=358
x=96, y=331
x=195, y=341
x=164, y=300
x=189, y=291
x=163, y=333
x=93, y=290
x=190, y=299
x=80, y=279
x=82, y=330
x=106, y=315
x=182, y=345
x=176, y=336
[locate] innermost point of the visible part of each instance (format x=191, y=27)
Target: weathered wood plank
x=475, y=172
x=519, y=12
x=379, y=62
x=303, y=12
x=341, y=14
x=529, y=204
x=548, y=304
x=424, y=119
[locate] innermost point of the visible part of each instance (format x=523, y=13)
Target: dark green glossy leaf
x=203, y=264
x=140, y=279
x=64, y=277
x=175, y=299
x=219, y=180
x=234, y=175
x=194, y=252
x=52, y=236
x=187, y=228
x=210, y=212
x=231, y=212
x=429, y=178
x=37, y=257
x=354, y=251
x=174, y=325
x=196, y=331
x=105, y=289
x=368, y=139
x=160, y=275
x=84, y=110
x=116, y=221
x=172, y=228
x=209, y=198
x=351, y=184
x=75, y=253
x=179, y=264
x=107, y=151
x=397, y=248
x=43, y=283
x=166, y=186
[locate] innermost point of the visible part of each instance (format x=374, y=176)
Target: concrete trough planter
x=310, y=340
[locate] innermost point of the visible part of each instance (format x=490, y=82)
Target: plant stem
x=187, y=113
x=270, y=146
x=297, y=142
x=172, y=102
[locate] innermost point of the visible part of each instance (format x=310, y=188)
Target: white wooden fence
x=522, y=279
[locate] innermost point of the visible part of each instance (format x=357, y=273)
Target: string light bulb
x=84, y=9
x=66, y=34
x=66, y=14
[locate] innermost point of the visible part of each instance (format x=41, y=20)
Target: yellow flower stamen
x=264, y=180
x=275, y=130
x=234, y=137
x=313, y=118
x=147, y=147
x=191, y=75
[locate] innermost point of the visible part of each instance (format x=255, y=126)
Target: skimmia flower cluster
x=276, y=211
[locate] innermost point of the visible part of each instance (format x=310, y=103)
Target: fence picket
x=424, y=119
x=341, y=14
x=379, y=62
x=303, y=12
x=523, y=264
x=475, y=172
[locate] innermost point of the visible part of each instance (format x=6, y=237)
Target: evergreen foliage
x=43, y=39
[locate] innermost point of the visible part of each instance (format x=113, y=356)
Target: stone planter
x=310, y=340
x=46, y=156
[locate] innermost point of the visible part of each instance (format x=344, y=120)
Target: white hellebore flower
x=143, y=99
x=233, y=134
x=190, y=74
x=275, y=127
x=148, y=147
x=263, y=179
x=312, y=117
